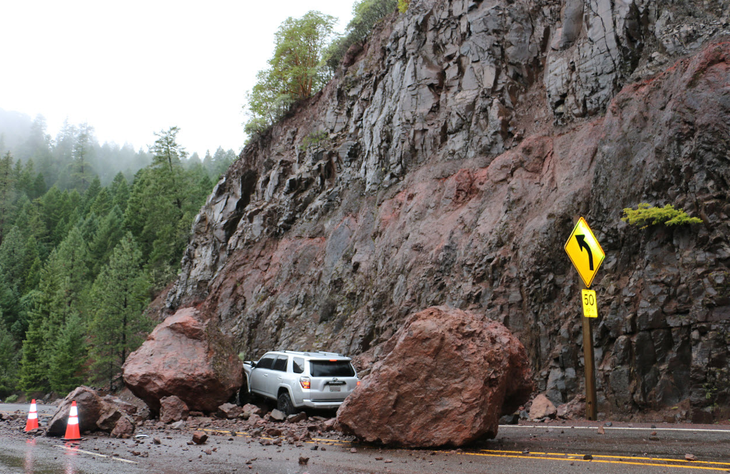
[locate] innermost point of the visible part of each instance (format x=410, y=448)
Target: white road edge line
x=96, y=454
x=624, y=428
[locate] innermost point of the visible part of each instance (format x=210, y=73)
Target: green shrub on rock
x=646, y=214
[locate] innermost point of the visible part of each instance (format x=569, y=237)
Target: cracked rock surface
x=448, y=163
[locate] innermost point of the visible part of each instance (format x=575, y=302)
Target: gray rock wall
x=448, y=164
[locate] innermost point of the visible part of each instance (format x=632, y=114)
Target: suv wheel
x=284, y=404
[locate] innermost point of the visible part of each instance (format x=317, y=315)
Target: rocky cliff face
x=446, y=164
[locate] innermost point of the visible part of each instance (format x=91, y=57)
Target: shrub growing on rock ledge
x=646, y=214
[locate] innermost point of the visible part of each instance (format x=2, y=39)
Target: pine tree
x=12, y=275
x=157, y=207
x=34, y=367
x=119, y=190
x=33, y=278
x=140, y=215
x=102, y=204
x=118, y=324
x=68, y=356
x=71, y=266
x=7, y=191
x=8, y=362
x=82, y=172
x=90, y=195
x=167, y=165
x=107, y=237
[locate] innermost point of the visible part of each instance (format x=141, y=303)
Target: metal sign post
x=587, y=255
x=590, y=372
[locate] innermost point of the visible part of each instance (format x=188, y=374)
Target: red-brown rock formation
x=186, y=357
x=173, y=409
x=90, y=407
x=95, y=413
x=450, y=376
x=447, y=163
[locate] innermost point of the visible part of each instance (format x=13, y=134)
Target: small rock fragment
x=690, y=457
x=301, y=416
x=199, y=437
x=542, y=407
x=587, y=457
x=601, y=430
x=353, y=450
x=178, y=425
x=277, y=415
x=303, y=461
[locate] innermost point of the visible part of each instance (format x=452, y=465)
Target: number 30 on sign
x=590, y=304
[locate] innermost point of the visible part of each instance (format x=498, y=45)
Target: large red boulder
x=186, y=357
x=450, y=376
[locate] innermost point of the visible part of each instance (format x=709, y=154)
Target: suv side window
x=280, y=363
x=298, y=365
x=265, y=363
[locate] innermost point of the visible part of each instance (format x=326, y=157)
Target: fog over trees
x=89, y=234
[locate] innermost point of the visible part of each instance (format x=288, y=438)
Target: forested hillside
x=89, y=233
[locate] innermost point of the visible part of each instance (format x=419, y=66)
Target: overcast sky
x=130, y=68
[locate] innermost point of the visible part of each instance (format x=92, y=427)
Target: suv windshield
x=328, y=368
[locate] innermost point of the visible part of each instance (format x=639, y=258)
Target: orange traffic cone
x=32, y=422
x=72, y=427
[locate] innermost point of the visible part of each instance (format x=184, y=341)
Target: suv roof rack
x=310, y=353
x=333, y=354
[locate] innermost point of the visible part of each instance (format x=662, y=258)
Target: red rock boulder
x=95, y=413
x=450, y=376
x=173, y=409
x=90, y=408
x=186, y=357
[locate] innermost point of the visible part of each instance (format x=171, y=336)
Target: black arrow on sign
x=582, y=244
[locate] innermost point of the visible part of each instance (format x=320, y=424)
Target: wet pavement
x=557, y=447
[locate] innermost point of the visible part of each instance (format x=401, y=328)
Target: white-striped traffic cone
x=32, y=422
x=72, y=427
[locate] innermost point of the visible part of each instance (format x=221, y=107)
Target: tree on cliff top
x=296, y=71
x=365, y=14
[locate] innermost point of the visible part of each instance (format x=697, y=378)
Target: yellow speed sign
x=584, y=251
x=590, y=303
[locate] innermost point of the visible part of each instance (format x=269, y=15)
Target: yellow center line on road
x=725, y=465
x=602, y=461
x=547, y=456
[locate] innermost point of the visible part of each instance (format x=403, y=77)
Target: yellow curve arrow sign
x=584, y=251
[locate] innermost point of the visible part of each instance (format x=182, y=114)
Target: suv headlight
x=305, y=382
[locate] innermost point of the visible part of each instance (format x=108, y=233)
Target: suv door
x=277, y=375
x=261, y=375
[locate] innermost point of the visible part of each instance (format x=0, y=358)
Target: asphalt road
x=556, y=448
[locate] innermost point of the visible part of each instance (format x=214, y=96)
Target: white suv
x=301, y=379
